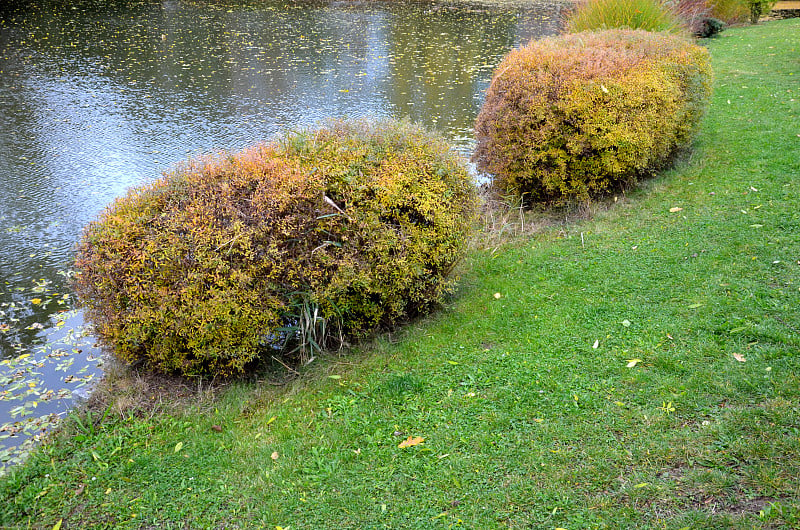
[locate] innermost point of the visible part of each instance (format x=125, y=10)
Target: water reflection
x=97, y=96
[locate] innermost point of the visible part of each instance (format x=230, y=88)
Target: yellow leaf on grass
x=36, y=301
x=411, y=441
x=633, y=362
x=675, y=209
x=739, y=357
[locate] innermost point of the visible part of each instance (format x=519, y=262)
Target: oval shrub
x=341, y=229
x=579, y=115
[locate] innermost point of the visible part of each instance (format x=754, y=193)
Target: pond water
x=100, y=95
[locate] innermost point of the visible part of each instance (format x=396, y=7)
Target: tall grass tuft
x=649, y=15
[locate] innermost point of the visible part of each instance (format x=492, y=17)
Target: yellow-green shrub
x=579, y=115
x=353, y=225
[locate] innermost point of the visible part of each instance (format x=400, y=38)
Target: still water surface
x=97, y=96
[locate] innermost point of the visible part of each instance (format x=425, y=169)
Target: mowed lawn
x=637, y=370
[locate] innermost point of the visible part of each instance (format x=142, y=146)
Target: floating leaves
x=32, y=392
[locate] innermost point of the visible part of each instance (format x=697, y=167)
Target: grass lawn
x=638, y=370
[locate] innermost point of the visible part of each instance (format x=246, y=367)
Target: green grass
x=526, y=423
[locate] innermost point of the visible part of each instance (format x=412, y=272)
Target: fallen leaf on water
x=739, y=357
x=675, y=209
x=633, y=362
x=411, y=441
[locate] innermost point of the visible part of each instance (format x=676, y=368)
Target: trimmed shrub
x=711, y=26
x=333, y=231
x=579, y=115
x=650, y=15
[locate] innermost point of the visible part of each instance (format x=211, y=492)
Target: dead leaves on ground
x=411, y=441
